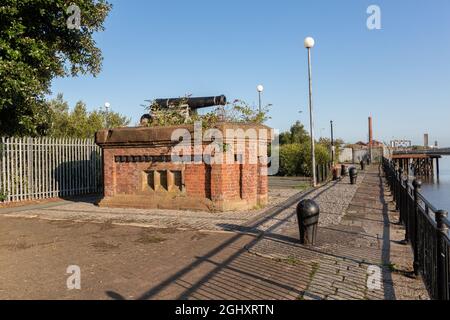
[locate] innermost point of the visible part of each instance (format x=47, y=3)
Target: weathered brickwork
x=138, y=172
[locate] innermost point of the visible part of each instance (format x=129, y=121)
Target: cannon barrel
x=193, y=103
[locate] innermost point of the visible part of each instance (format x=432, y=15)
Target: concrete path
x=361, y=257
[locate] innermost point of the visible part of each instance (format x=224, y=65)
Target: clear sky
x=166, y=48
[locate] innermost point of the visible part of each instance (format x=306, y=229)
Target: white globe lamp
x=309, y=43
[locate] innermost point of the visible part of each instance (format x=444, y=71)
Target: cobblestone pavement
x=334, y=198
x=155, y=218
x=358, y=239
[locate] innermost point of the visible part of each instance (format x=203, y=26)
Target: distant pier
x=424, y=163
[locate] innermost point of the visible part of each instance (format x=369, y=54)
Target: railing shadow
x=233, y=258
x=78, y=180
x=389, y=290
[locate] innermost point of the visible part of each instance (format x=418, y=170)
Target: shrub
x=295, y=159
x=236, y=112
x=3, y=196
x=289, y=159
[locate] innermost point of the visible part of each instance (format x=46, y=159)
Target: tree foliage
x=236, y=112
x=79, y=123
x=295, y=159
x=338, y=144
x=36, y=46
x=297, y=134
x=295, y=151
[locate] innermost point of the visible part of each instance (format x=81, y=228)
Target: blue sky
x=166, y=48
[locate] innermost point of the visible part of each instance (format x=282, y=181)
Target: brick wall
x=131, y=171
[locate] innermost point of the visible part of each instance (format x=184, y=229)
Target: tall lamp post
x=309, y=44
x=107, y=106
x=332, y=142
x=260, y=89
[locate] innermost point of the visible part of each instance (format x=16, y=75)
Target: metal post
x=396, y=187
x=437, y=168
x=107, y=117
x=402, y=197
x=417, y=184
x=405, y=217
x=399, y=191
x=311, y=122
x=441, y=232
x=259, y=94
x=332, y=142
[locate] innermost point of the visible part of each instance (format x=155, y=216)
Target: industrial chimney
x=370, y=132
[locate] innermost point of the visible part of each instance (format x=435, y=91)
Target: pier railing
x=426, y=230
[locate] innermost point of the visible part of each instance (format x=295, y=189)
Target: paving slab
x=358, y=232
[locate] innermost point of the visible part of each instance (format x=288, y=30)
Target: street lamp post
x=260, y=89
x=309, y=44
x=332, y=142
x=107, y=105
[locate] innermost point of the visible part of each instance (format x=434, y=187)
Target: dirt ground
x=38, y=243
x=122, y=262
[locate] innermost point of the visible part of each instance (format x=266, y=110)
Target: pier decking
x=423, y=162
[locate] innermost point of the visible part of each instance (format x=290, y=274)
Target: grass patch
x=198, y=236
x=391, y=266
x=292, y=261
x=149, y=238
x=104, y=246
x=20, y=245
x=312, y=273
x=302, y=186
x=107, y=225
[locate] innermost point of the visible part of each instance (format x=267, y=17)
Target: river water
x=437, y=191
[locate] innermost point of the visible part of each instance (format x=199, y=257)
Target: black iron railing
x=323, y=172
x=426, y=230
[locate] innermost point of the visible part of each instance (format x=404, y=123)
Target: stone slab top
x=163, y=135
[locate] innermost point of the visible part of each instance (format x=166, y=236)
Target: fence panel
x=39, y=168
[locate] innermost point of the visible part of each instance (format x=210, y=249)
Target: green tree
x=338, y=144
x=297, y=134
x=295, y=159
x=37, y=45
x=290, y=164
x=59, y=120
x=322, y=157
x=80, y=123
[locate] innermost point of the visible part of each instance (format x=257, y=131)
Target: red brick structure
x=140, y=171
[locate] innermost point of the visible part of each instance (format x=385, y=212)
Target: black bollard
x=335, y=174
x=344, y=170
x=308, y=219
x=353, y=175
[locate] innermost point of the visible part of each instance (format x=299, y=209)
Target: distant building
x=363, y=145
x=377, y=144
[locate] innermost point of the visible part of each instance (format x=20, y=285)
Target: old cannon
x=186, y=106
